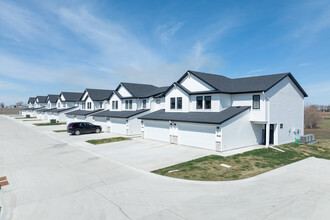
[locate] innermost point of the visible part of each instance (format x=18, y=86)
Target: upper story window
x=179, y=102
x=83, y=105
x=208, y=102
x=114, y=104
x=256, y=101
x=172, y=103
x=101, y=104
x=176, y=103
x=58, y=105
x=157, y=101
x=144, y=103
x=128, y=104
x=89, y=105
x=199, y=102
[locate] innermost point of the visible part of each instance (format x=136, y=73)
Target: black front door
x=271, y=134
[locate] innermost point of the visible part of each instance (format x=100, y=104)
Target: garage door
x=80, y=118
x=197, y=135
x=118, y=126
x=101, y=122
x=157, y=130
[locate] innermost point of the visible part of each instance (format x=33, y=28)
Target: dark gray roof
x=99, y=94
x=242, y=85
x=45, y=109
x=32, y=100
x=57, y=110
x=143, y=90
x=41, y=99
x=119, y=114
x=83, y=112
x=197, y=117
x=52, y=98
x=72, y=96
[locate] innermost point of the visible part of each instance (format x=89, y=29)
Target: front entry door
x=271, y=134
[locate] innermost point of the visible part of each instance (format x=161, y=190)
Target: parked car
x=78, y=128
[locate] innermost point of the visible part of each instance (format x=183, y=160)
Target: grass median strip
x=24, y=117
x=59, y=131
x=245, y=165
x=49, y=124
x=107, y=140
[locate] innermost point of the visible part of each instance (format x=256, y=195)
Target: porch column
x=267, y=134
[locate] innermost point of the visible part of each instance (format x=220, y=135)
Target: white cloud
x=167, y=31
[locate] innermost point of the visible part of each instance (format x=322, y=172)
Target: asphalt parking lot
x=55, y=179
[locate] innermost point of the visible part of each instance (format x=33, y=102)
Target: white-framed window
x=89, y=105
x=176, y=103
x=101, y=104
x=114, y=104
x=256, y=101
x=83, y=105
x=128, y=104
x=144, y=103
x=203, y=102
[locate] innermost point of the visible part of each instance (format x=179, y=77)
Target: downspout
x=268, y=120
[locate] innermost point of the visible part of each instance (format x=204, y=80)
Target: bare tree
x=2, y=105
x=19, y=104
x=312, y=116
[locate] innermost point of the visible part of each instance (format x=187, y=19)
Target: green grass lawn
x=245, y=165
x=49, y=124
x=107, y=140
x=25, y=117
x=254, y=162
x=32, y=120
x=59, y=131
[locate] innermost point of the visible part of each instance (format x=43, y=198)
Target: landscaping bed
x=49, y=124
x=107, y=140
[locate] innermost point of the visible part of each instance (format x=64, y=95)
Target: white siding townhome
x=128, y=102
x=91, y=101
x=218, y=113
x=30, y=107
x=40, y=103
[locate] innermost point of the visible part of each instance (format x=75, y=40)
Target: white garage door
x=157, y=130
x=197, y=135
x=101, y=121
x=80, y=118
x=118, y=126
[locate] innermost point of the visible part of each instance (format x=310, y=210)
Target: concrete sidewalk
x=51, y=179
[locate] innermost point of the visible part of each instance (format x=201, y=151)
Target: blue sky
x=51, y=46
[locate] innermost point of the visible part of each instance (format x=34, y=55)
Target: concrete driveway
x=51, y=179
x=143, y=154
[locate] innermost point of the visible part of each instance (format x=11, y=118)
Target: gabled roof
x=197, y=117
x=178, y=85
x=41, y=99
x=242, y=85
x=71, y=96
x=31, y=100
x=57, y=110
x=119, y=114
x=142, y=90
x=52, y=98
x=83, y=112
x=98, y=94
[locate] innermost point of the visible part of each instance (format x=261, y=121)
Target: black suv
x=78, y=128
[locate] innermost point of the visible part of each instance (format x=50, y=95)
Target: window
x=89, y=105
x=126, y=104
x=114, y=104
x=58, y=105
x=130, y=104
x=101, y=103
x=207, y=100
x=256, y=102
x=179, y=102
x=172, y=103
x=157, y=101
x=281, y=126
x=199, y=102
x=83, y=105
x=144, y=103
